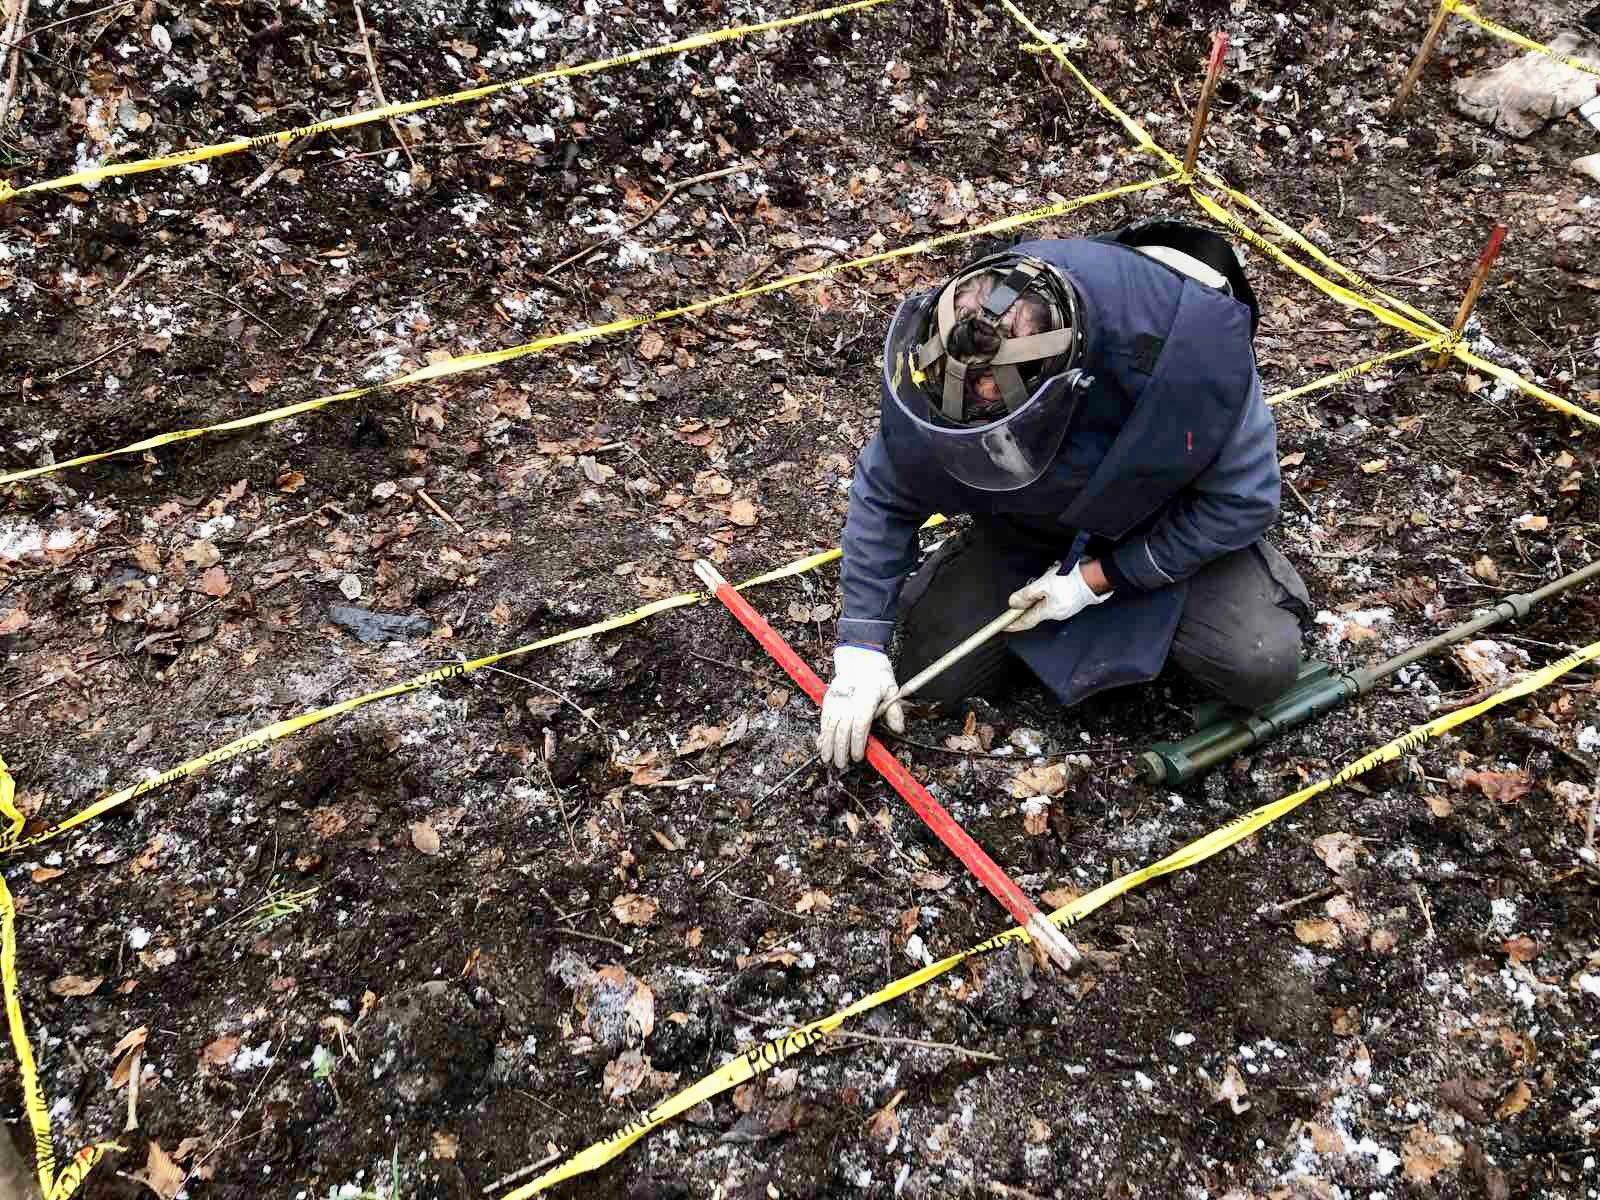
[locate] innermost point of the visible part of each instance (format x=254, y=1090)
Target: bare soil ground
x=381, y=957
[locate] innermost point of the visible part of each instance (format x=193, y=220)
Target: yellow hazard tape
x=1527, y=387
x=59, y=1187
x=366, y=116
x=1470, y=12
x=1307, y=246
x=51, y=1185
x=1335, y=378
x=764, y=1057
x=11, y=840
x=1136, y=131
x=464, y=363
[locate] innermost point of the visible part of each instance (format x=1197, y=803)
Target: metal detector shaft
x=950, y=657
x=956, y=839
x=1324, y=688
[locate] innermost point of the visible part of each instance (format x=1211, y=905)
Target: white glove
x=862, y=679
x=1053, y=597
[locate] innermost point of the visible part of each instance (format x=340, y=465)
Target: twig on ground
x=594, y=937
x=666, y=198
x=60, y=375
x=16, y=39
x=134, y=1069
x=1303, y=502
x=1278, y=910
x=1427, y=916
x=439, y=512
x=521, y=1173
x=227, y=1133
x=256, y=535
x=139, y=269
x=17, y=18
x=582, y=712
x=254, y=316
x=996, y=1188
x=813, y=761
x=719, y=662
x=285, y=156
x=13, y=701
x=377, y=83
x=687, y=781
x=918, y=1042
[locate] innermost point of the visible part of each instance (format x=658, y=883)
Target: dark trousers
x=1239, y=635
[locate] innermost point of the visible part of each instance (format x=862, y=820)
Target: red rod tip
x=1219, y=47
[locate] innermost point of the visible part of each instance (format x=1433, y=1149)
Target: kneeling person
x=1094, y=405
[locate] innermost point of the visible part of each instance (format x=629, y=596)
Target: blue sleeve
x=1228, y=507
x=880, y=547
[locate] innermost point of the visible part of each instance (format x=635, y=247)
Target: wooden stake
x=1470, y=300
x=1421, y=60
x=1219, y=47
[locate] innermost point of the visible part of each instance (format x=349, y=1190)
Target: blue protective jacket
x=1171, y=462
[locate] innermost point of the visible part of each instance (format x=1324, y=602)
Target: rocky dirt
x=417, y=949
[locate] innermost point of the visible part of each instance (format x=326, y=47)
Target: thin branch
x=659, y=205
x=254, y=316
x=377, y=84
x=582, y=712
x=18, y=37
x=285, y=156
x=918, y=1042
x=14, y=26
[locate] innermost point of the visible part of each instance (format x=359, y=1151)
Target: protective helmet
x=929, y=353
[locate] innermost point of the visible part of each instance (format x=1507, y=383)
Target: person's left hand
x=1053, y=597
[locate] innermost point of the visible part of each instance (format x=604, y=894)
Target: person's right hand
x=862, y=680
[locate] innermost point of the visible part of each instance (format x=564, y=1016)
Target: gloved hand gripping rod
x=1045, y=936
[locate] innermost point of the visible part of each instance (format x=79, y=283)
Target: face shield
x=1002, y=455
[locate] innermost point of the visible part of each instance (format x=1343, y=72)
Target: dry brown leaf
x=1485, y=569
x=1350, y=918
x=124, y=1053
x=1425, y=1154
x=1337, y=850
x=147, y=558
x=1517, y=1099
x=1060, y=897
x=1035, y=818
x=161, y=1175
x=694, y=937
x=1505, y=786
x=624, y=1074
x=327, y=822
x=1233, y=1090
x=1383, y=941
x=709, y=483
x=813, y=901
x=631, y=908
x=15, y=621
x=425, y=837
x=1292, y=460
x=201, y=554
x=701, y=737
x=651, y=344
x=1533, y=523
x=290, y=481
x=595, y=472
x=1439, y=805
x=1314, y=931
x=444, y=1146
x=215, y=583
x=75, y=985
x=641, y=1002
x=220, y=1052
x=743, y=512
x=1346, y=1021
x=1521, y=948
x=46, y=874
x=1050, y=780
x=930, y=881
x=1373, y=466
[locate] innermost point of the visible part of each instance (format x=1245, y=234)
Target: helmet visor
x=1002, y=455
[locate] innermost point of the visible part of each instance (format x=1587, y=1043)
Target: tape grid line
x=283, y=137
x=761, y=1058
x=466, y=363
